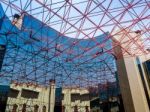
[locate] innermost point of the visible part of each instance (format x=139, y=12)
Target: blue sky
x=115, y=10
x=88, y=30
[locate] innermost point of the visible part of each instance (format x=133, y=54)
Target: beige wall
x=42, y=100
x=131, y=86
x=69, y=105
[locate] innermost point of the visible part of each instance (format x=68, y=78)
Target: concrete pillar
x=67, y=99
x=131, y=86
x=133, y=94
x=51, y=96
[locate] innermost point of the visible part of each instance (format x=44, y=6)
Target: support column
x=131, y=86
x=51, y=96
x=132, y=91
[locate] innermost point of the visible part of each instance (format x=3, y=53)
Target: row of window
x=76, y=109
x=24, y=93
x=36, y=108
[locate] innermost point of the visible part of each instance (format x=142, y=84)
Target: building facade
x=29, y=97
x=132, y=74
x=76, y=100
x=108, y=98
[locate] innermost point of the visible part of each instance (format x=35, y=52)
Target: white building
x=76, y=100
x=29, y=97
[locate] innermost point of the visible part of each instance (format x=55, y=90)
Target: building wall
x=70, y=105
x=130, y=80
x=41, y=100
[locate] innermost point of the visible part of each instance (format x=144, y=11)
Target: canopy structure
x=70, y=41
x=36, y=52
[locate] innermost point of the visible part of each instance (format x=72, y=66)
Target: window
x=75, y=96
x=85, y=97
x=24, y=108
x=13, y=93
x=29, y=93
x=44, y=109
x=36, y=107
x=139, y=65
x=86, y=109
x=76, y=108
x=147, y=70
x=15, y=106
